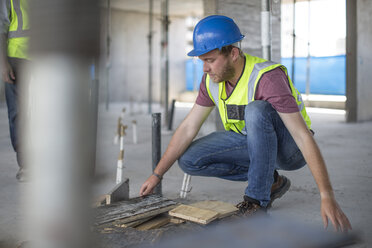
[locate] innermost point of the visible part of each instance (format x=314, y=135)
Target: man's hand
x=332, y=211
x=149, y=185
x=7, y=74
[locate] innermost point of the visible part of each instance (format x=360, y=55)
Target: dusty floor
x=347, y=149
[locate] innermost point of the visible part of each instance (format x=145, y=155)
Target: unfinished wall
x=247, y=14
x=129, y=56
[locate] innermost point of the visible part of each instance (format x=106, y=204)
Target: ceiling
x=176, y=7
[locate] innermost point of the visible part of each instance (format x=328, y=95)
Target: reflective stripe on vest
x=236, y=112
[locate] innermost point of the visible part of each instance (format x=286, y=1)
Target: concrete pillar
x=247, y=14
x=359, y=60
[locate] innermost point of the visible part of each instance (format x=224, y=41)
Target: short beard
x=227, y=73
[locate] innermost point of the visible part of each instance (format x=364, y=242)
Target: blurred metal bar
x=307, y=90
x=266, y=29
x=165, y=55
x=156, y=145
x=108, y=54
x=59, y=109
x=294, y=43
x=170, y=121
x=151, y=7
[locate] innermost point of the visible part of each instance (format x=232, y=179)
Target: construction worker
x=14, y=28
x=266, y=126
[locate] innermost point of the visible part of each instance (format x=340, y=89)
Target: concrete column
x=359, y=60
x=351, y=50
x=59, y=113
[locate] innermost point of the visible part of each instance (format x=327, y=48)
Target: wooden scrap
x=133, y=209
x=224, y=209
x=119, y=193
x=133, y=223
x=155, y=222
x=175, y=220
x=100, y=201
x=198, y=215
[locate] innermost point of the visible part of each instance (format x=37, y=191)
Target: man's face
x=218, y=66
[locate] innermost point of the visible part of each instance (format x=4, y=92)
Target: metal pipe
x=151, y=3
x=120, y=164
x=308, y=55
x=294, y=42
x=183, y=186
x=170, y=122
x=94, y=94
x=165, y=55
x=108, y=53
x=156, y=145
x=134, y=125
x=266, y=29
x=59, y=113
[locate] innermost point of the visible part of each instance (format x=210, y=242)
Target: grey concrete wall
x=247, y=14
x=364, y=60
x=129, y=56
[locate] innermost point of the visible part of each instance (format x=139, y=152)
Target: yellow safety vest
x=18, y=34
x=232, y=108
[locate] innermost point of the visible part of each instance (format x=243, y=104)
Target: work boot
x=22, y=175
x=250, y=207
x=280, y=186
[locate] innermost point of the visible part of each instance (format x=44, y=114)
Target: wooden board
x=156, y=222
x=134, y=209
x=198, y=215
x=224, y=209
x=119, y=193
x=100, y=201
x=175, y=220
x=133, y=223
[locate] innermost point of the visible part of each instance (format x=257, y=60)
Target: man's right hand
x=149, y=185
x=7, y=73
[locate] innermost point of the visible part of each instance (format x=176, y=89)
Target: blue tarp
x=194, y=73
x=327, y=74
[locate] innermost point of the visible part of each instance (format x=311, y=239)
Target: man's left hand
x=332, y=211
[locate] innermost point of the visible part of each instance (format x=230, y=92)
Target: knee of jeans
x=256, y=110
x=186, y=164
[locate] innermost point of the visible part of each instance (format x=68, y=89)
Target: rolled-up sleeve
x=4, y=16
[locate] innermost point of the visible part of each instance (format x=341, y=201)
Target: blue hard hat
x=213, y=32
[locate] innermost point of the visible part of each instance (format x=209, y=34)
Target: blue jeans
x=11, y=95
x=268, y=146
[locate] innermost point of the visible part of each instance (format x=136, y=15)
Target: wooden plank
x=198, y=215
x=224, y=209
x=100, y=201
x=156, y=222
x=134, y=209
x=133, y=223
x=175, y=220
x=119, y=193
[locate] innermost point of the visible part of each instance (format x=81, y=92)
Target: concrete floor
x=347, y=149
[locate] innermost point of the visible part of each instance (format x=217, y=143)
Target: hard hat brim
x=195, y=52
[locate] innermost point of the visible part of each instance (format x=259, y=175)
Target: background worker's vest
x=232, y=108
x=18, y=35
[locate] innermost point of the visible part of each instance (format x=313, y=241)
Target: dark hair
x=226, y=50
